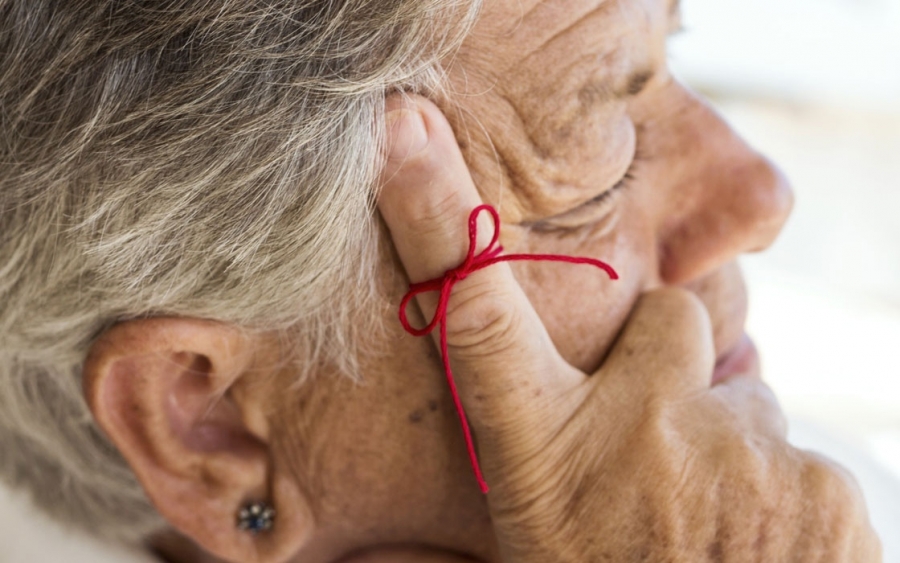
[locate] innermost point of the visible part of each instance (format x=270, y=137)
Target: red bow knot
x=491, y=255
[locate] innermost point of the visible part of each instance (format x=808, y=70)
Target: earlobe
x=173, y=395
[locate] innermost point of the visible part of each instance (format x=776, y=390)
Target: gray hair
x=189, y=158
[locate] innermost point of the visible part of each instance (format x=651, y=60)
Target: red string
x=444, y=284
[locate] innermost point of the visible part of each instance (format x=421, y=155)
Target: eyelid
x=629, y=176
x=582, y=216
x=573, y=215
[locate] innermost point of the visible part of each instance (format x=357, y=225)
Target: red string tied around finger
x=492, y=254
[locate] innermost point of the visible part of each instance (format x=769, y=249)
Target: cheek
x=387, y=450
x=582, y=309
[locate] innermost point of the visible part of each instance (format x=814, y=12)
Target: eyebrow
x=638, y=80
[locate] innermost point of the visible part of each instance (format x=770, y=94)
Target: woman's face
x=575, y=130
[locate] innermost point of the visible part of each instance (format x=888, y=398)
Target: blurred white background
x=815, y=85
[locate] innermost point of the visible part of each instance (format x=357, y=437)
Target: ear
x=184, y=401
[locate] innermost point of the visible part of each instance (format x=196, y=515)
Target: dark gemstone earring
x=256, y=517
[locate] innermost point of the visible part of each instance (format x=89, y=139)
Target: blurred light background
x=815, y=85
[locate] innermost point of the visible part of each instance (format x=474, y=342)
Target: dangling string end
x=487, y=257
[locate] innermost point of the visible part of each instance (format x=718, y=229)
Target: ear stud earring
x=256, y=517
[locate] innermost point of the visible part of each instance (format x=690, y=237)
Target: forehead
x=552, y=14
x=594, y=50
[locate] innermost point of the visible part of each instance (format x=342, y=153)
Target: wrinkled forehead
x=616, y=34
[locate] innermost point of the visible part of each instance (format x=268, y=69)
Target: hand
x=640, y=461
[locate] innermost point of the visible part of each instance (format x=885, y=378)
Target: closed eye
x=592, y=210
x=602, y=198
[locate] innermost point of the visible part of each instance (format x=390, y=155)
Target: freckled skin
x=552, y=99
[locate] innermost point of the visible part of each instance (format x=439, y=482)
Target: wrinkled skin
x=642, y=459
x=597, y=424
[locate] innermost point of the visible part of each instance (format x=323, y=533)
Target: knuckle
x=770, y=418
x=841, y=509
x=754, y=404
x=481, y=319
x=830, y=482
x=432, y=215
x=750, y=457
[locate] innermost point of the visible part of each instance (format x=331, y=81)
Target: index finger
x=500, y=351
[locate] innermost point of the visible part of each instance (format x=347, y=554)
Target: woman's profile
x=211, y=211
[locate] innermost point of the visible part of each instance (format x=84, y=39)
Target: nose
x=726, y=198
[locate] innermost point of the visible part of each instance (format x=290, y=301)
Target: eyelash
x=603, y=199
x=626, y=181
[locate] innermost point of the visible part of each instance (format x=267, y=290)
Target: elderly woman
x=199, y=345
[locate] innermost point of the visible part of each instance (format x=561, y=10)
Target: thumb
x=499, y=350
x=665, y=348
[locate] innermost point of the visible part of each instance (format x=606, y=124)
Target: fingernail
x=407, y=135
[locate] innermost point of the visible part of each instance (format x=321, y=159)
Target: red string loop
x=491, y=255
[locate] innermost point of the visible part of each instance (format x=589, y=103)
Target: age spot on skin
x=715, y=551
x=418, y=415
